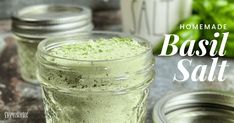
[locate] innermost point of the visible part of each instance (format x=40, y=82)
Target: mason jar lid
x=40, y=21
x=203, y=106
x=42, y=35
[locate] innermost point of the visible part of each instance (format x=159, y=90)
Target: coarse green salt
x=101, y=49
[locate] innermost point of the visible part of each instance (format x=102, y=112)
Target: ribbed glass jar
x=35, y=23
x=94, y=91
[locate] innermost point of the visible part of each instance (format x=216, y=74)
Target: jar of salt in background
x=33, y=24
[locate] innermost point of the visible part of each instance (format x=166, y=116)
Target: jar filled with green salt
x=33, y=24
x=99, y=77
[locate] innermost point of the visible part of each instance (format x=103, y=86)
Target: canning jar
x=33, y=24
x=104, y=90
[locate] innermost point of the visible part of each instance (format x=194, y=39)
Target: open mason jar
x=94, y=91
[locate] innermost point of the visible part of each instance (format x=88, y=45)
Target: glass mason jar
x=94, y=91
x=35, y=23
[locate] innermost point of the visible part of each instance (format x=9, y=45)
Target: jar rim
x=42, y=47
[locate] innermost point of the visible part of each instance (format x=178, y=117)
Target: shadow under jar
x=33, y=24
x=97, y=86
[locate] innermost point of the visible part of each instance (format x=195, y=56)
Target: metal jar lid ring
x=38, y=22
x=203, y=106
x=51, y=14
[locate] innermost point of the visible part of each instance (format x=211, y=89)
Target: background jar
x=98, y=91
x=33, y=24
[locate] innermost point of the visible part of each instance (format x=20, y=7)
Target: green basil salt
x=95, y=80
x=27, y=62
x=102, y=49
